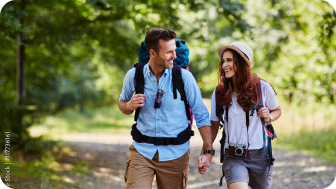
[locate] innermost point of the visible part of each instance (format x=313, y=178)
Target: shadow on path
x=107, y=162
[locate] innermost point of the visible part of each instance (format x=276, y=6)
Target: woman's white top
x=237, y=119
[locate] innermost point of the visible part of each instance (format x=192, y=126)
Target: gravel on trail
x=107, y=155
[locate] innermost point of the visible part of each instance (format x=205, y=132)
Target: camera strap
x=247, y=125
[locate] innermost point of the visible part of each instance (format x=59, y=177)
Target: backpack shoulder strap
x=139, y=84
x=269, y=134
x=258, y=93
x=179, y=85
x=219, y=109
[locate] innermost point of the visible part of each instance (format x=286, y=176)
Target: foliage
x=302, y=64
x=77, y=52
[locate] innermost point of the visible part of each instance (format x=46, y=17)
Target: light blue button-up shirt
x=170, y=119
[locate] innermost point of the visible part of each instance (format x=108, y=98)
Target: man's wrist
x=211, y=152
x=208, y=147
x=128, y=107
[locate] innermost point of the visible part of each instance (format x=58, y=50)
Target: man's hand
x=137, y=100
x=204, y=163
x=127, y=107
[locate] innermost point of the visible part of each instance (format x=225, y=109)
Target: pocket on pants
x=127, y=165
x=227, y=171
x=185, y=179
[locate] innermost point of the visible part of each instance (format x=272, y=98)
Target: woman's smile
x=227, y=66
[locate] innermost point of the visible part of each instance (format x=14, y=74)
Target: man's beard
x=163, y=64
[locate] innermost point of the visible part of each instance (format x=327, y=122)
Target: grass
x=309, y=128
x=321, y=143
x=108, y=120
x=45, y=165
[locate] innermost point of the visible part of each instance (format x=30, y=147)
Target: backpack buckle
x=254, y=108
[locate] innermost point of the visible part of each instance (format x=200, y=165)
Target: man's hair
x=154, y=35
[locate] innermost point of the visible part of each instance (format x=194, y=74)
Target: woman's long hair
x=245, y=80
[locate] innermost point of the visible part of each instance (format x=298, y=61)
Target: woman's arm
x=215, y=127
x=265, y=113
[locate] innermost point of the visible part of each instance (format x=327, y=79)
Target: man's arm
x=205, y=159
x=206, y=134
x=127, y=107
x=214, y=130
x=194, y=97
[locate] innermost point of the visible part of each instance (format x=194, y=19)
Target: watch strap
x=212, y=152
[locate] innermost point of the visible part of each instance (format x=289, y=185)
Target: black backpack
x=182, y=53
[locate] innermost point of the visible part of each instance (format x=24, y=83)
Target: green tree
x=74, y=54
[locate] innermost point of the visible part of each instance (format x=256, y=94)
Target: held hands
x=137, y=100
x=264, y=112
x=204, y=163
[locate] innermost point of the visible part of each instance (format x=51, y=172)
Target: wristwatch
x=212, y=152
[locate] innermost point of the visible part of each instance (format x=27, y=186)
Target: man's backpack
x=269, y=128
x=182, y=60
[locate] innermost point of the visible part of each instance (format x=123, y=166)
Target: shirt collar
x=149, y=73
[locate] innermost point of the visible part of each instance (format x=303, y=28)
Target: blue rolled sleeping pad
x=182, y=53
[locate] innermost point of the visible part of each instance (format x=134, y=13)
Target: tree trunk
x=21, y=92
x=21, y=74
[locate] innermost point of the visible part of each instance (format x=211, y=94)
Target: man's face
x=166, y=54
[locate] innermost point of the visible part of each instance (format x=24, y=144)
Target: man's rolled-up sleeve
x=128, y=86
x=194, y=97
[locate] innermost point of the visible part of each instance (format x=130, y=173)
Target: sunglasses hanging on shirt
x=158, y=102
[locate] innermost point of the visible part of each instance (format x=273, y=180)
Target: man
x=162, y=116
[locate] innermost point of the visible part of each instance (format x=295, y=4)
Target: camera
x=238, y=150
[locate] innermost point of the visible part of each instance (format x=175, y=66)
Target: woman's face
x=227, y=64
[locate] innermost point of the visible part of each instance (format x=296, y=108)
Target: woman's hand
x=264, y=112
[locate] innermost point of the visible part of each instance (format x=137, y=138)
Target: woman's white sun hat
x=244, y=51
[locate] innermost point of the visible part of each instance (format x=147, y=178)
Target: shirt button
x=157, y=119
x=158, y=132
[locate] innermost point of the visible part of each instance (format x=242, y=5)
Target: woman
x=245, y=162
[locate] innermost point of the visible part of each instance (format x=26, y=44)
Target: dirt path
x=108, y=153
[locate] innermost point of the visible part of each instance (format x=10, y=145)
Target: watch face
x=212, y=152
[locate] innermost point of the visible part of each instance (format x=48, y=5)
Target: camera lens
x=239, y=151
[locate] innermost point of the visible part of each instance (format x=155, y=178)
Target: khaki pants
x=140, y=171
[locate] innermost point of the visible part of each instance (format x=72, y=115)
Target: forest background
x=63, y=62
